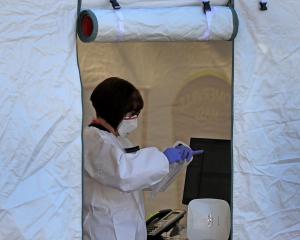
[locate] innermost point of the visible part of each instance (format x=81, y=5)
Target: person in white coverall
x=115, y=171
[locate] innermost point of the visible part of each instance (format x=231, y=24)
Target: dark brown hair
x=114, y=98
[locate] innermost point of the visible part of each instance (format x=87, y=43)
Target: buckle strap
x=206, y=6
x=115, y=4
x=263, y=5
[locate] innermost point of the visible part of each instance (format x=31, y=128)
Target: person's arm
x=111, y=166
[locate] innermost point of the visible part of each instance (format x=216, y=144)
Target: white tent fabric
x=40, y=115
x=160, y=24
x=266, y=140
x=105, y=4
x=40, y=121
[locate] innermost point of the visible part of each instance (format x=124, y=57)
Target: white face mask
x=127, y=126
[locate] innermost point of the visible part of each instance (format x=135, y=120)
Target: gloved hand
x=173, y=155
x=187, y=153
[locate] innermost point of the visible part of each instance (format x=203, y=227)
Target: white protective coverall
x=114, y=180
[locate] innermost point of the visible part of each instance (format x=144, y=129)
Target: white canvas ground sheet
x=188, y=23
x=266, y=139
x=40, y=121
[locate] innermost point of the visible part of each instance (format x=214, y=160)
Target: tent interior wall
x=187, y=92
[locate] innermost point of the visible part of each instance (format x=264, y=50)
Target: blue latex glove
x=187, y=153
x=173, y=155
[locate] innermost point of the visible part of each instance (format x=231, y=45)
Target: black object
x=132, y=149
x=209, y=174
x=263, y=6
x=206, y=6
x=115, y=4
x=161, y=222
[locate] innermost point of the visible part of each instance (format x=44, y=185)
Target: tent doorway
x=186, y=87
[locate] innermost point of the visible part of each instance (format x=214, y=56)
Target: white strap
x=121, y=28
x=206, y=34
x=208, y=15
x=263, y=1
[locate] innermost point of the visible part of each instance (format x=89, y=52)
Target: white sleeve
x=108, y=164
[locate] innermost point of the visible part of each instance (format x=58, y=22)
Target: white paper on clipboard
x=174, y=170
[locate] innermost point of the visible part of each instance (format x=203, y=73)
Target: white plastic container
x=208, y=219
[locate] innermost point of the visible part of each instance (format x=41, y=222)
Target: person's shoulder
x=95, y=133
x=89, y=130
